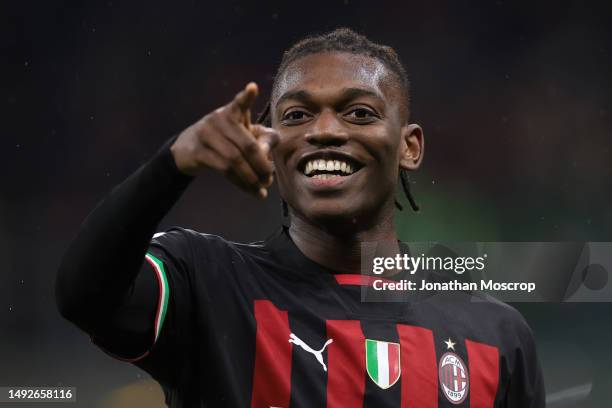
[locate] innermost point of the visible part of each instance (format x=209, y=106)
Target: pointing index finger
x=245, y=98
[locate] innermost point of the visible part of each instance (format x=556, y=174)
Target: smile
x=329, y=166
x=324, y=169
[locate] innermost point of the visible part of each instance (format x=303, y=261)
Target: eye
x=362, y=115
x=295, y=117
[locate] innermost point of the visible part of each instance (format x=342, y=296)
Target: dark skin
x=329, y=106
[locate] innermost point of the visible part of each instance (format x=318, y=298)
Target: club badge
x=453, y=374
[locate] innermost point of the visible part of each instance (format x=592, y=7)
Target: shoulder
x=506, y=318
x=504, y=311
x=194, y=243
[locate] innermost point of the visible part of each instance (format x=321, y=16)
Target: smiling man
x=281, y=323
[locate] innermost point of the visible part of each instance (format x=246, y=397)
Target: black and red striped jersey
x=261, y=325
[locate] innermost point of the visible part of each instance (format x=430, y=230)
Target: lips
x=324, y=165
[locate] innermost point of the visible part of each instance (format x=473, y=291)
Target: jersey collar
x=286, y=252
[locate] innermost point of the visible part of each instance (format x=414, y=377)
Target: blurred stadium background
x=514, y=98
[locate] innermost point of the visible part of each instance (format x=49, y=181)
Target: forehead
x=328, y=71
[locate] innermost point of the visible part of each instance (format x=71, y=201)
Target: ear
x=412, y=147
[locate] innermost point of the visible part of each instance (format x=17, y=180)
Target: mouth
x=325, y=165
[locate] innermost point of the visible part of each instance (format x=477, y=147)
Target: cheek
x=290, y=141
x=385, y=149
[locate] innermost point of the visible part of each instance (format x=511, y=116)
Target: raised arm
x=99, y=271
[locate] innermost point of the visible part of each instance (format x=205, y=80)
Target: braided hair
x=348, y=41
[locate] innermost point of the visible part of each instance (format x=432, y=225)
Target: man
x=280, y=323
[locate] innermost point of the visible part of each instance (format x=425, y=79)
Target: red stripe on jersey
x=272, y=373
x=345, y=364
x=419, y=368
x=484, y=373
x=394, y=364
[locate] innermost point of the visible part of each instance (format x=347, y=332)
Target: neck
x=338, y=249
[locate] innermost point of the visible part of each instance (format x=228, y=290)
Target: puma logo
x=317, y=353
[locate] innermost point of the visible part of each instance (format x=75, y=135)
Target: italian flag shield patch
x=383, y=362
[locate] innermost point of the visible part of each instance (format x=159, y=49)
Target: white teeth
x=327, y=165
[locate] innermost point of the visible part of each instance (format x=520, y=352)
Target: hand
x=225, y=140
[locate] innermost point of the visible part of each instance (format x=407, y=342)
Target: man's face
x=341, y=124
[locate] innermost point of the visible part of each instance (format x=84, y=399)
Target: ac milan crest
x=454, y=378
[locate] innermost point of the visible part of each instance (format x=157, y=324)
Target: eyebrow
x=347, y=94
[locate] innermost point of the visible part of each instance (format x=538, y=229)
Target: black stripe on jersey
x=308, y=378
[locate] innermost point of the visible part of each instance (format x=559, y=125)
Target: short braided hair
x=348, y=41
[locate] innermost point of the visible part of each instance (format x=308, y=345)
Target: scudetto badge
x=454, y=378
x=383, y=362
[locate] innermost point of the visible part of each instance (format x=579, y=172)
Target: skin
x=329, y=103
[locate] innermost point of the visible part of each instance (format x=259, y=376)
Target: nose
x=327, y=130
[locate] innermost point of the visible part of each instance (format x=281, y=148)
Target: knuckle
x=223, y=111
x=193, y=150
x=252, y=180
x=267, y=168
x=214, y=116
x=225, y=167
x=202, y=126
x=203, y=157
x=251, y=147
x=234, y=158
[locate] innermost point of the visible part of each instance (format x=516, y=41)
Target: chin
x=337, y=217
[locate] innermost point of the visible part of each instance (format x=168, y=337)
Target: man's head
x=340, y=104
